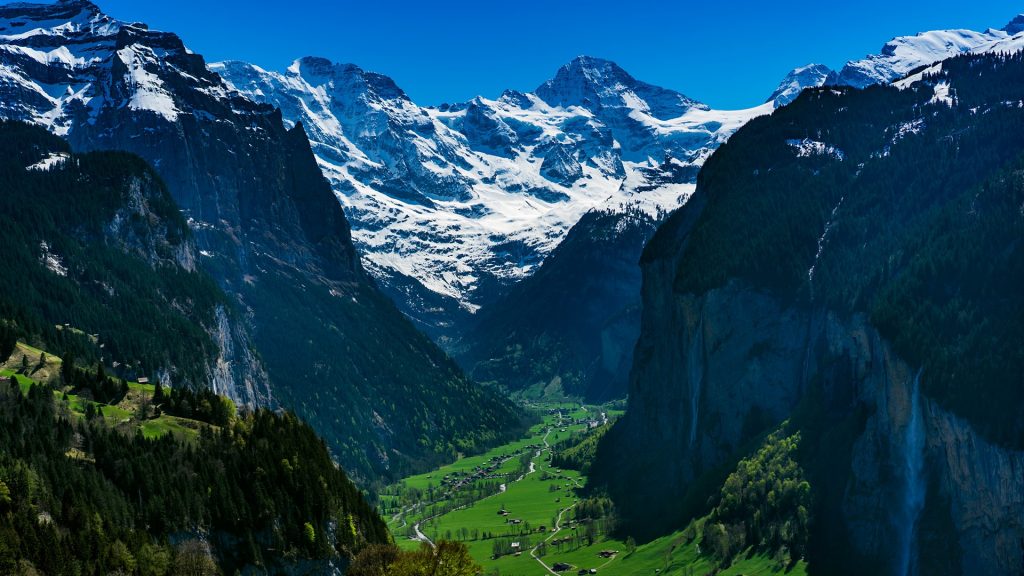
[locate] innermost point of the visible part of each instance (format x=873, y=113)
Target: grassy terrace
x=126, y=414
x=543, y=500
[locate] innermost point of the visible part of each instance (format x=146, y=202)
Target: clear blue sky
x=728, y=53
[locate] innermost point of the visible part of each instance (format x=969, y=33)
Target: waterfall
x=914, y=486
x=821, y=244
x=695, y=372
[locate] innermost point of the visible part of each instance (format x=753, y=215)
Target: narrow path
x=558, y=520
x=558, y=527
x=421, y=536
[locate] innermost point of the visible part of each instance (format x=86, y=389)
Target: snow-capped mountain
x=460, y=196
x=67, y=64
x=812, y=75
x=303, y=325
x=902, y=55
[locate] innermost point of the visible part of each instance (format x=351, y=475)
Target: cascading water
x=695, y=365
x=821, y=244
x=914, y=486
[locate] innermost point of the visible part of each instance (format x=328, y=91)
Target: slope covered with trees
x=918, y=198
x=97, y=254
x=78, y=496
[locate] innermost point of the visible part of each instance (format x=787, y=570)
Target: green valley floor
x=521, y=516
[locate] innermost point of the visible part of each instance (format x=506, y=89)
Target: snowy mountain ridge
x=466, y=194
x=904, y=54
x=445, y=202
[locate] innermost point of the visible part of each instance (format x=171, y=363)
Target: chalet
x=561, y=567
x=143, y=380
x=607, y=553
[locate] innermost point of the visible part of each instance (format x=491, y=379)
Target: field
x=528, y=525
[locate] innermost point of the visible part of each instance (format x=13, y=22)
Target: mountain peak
x=1015, y=26
x=594, y=66
x=809, y=76
x=596, y=84
x=349, y=78
x=61, y=10
x=588, y=70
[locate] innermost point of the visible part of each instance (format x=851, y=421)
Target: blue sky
x=727, y=53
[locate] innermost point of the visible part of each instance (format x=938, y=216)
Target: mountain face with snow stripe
x=453, y=202
x=268, y=229
x=902, y=55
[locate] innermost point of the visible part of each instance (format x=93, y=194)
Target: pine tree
x=67, y=370
x=8, y=342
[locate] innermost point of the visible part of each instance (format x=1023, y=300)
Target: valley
x=295, y=323
x=520, y=515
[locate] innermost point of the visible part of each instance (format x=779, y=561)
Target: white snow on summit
x=902, y=55
x=66, y=62
x=459, y=194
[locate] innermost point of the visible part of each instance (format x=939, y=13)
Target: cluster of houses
x=565, y=420
x=458, y=480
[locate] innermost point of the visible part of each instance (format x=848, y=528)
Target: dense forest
x=92, y=247
x=80, y=497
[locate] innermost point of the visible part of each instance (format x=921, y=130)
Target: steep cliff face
x=736, y=362
x=113, y=259
x=851, y=264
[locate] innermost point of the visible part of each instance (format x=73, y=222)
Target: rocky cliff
x=851, y=264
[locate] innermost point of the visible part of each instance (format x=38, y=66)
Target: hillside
x=104, y=488
x=102, y=263
x=312, y=331
x=851, y=263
